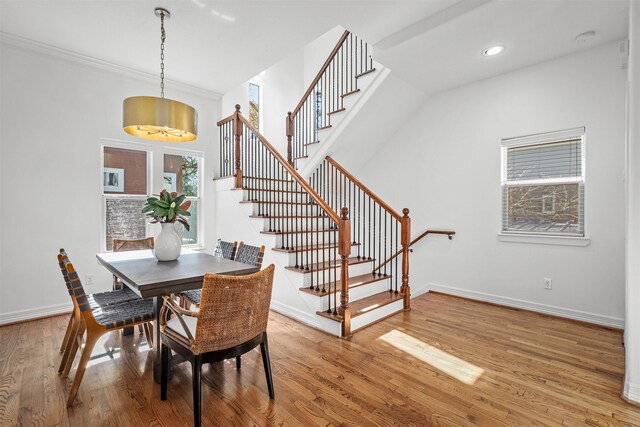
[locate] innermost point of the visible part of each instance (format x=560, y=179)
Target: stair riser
x=310, y=256
x=321, y=303
x=289, y=210
x=300, y=239
x=276, y=197
x=375, y=315
x=288, y=224
x=272, y=185
x=319, y=278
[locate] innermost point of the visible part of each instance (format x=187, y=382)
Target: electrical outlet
x=88, y=279
x=547, y=283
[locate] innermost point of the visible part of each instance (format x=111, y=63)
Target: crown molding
x=43, y=48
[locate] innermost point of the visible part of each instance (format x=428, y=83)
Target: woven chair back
x=76, y=285
x=233, y=310
x=248, y=254
x=226, y=250
x=61, y=259
x=122, y=245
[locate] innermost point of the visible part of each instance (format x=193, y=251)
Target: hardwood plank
x=538, y=370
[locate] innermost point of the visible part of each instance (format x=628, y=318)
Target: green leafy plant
x=168, y=207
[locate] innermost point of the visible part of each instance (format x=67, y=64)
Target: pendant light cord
x=162, y=38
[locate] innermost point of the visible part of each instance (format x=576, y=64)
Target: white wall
x=445, y=166
x=55, y=112
x=632, y=337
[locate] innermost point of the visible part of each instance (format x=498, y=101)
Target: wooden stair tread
x=354, y=282
x=339, y=110
x=324, y=127
x=275, y=202
x=270, y=190
x=258, y=178
x=323, y=230
x=366, y=305
x=350, y=93
x=365, y=73
x=288, y=216
x=300, y=157
x=312, y=142
x=318, y=266
x=311, y=248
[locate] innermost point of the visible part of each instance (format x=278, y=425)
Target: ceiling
x=216, y=45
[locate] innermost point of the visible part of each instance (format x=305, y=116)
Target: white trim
x=631, y=391
x=43, y=48
x=598, y=319
x=544, y=239
x=541, y=138
x=329, y=326
x=32, y=313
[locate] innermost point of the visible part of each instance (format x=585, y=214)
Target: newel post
x=344, y=249
x=237, y=134
x=405, y=241
x=289, y=137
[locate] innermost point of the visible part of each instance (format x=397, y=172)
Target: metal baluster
x=380, y=237
x=396, y=268
x=335, y=272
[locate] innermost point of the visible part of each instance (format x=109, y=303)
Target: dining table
x=149, y=278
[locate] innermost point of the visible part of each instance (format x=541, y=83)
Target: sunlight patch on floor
x=457, y=368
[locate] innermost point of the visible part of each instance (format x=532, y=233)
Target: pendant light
x=160, y=119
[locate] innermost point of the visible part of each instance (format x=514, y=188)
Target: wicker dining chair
x=96, y=300
x=231, y=321
x=226, y=250
x=248, y=254
x=97, y=322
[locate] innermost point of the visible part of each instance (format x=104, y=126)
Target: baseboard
x=34, y=313
x=598, y=319
x=294, y=313
x=632, y=392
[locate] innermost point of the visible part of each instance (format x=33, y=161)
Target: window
x=254, y=105
x=543, y=184
x=125, y=189
x=181, y=174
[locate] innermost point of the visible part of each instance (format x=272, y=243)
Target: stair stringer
x=232, y=222
x=352, y=104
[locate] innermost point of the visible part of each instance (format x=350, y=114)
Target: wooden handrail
x=294, y=173
x=226, y=120
x=414, y=241
x=319, y=75
x=366, y=189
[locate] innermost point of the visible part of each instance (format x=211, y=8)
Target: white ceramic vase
x=168, y=244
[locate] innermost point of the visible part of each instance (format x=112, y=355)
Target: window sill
x=544, y=239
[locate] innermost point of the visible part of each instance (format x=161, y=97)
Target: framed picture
x=113, y=180
x=169, y=181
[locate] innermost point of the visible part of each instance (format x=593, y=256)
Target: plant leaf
x=186, y=205
x=171, y=214
x=179, y=199
x=162, y=204
x=184, y=222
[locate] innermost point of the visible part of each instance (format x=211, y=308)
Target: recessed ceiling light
x=493, y=50
x=585, y=37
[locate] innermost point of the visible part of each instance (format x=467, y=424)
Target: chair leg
x=164, y=370
x=92, y=338
x=196, y=368
x=68, y=357
x=140, y=329
x=148, y=334
x=264, y=349
x=70, y=341
x=67, y=333
x=238, y=362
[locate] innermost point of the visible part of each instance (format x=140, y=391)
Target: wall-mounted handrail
x=416, y=240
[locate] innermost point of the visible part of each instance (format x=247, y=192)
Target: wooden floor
x=495, y=366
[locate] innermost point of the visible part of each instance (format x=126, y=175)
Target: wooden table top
x=142, y=272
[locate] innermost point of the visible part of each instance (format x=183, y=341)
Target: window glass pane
x=254, y=105
x=544, y=208
x=124, y=220
x=181, y=174
x=191, y=237
x=125, y=171
x=543, y=161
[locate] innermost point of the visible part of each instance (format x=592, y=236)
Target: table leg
x=157, y=306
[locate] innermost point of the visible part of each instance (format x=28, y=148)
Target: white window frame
x=199, y=199
x=541, y=236
x=110, y=143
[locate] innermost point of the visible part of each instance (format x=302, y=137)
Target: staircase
x=345, y=249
